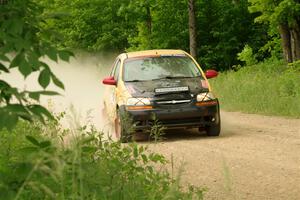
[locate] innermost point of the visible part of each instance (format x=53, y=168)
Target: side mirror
x=211, y=73
x=109, y=81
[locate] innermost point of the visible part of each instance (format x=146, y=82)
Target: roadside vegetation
x=270, y=88
x=49, y=162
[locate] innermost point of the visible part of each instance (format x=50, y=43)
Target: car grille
x=173, y=99
x=172, y=102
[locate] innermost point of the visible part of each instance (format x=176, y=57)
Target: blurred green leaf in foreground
x=24, y=40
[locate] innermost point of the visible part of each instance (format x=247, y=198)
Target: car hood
x=147, y=88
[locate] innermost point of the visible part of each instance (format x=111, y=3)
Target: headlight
x=138, y=101
x=207, y=96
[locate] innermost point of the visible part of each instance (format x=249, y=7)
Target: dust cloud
x=82, y=97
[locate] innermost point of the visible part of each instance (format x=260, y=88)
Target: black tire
x=213, y=131
x=122, y=127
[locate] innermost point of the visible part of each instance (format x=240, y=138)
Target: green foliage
x=34, y=166
x=168, y=27
x=224, y=27
x=23, y=42
x=268, y=88
x=96, y=25
x=275, y=12
x=157, y=129
x=247, y=56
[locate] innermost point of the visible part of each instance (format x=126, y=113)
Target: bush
x=35, y=166
x=271, y=88
x=247, y=56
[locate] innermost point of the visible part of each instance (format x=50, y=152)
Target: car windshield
x=151, y=68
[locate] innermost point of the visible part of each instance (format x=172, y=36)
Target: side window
x=113, y=68
x=116, y=71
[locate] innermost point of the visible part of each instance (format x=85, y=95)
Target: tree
x=192, y=28
x=283, y=15
x=23, y=42
x=225, y=27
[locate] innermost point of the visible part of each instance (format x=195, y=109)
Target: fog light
x=139, y=107
x=206, y=103
x=213, y=119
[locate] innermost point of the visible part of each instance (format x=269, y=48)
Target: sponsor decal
x=171, y=89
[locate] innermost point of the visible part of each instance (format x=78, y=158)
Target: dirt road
x=256, y=157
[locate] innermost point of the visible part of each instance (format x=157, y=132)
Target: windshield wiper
x=135, y=80
x=175, y=77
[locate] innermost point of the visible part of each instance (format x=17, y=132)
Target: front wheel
x=213, y=130
x=123, y=127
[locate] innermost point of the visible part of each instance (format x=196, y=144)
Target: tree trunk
x=192, y=28
x=148, y=24
x=149, y=20
x=286, y=42
x=295, y=42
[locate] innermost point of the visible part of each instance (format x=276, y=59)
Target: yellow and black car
x=167, y=84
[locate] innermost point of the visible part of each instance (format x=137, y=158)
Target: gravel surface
x=255, y=157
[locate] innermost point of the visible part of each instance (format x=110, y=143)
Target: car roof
x=153, y=53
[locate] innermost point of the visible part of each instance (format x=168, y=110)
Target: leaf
x=49, y=93
x=33, y=59
x=36, y=95
x=40, y=112
x=135, y=151
x=13, y=112
x=4, y=85
x=52, y=53
x=16, y=108
x=27, y=117
x=16, y=26
x=8, y=120
x=17, y=60
x=65, y=55
x=32, y=140
x=144, y=157
x=57, y=82
x=44, y=78
x=29, y=150
x=45, y=144
x=3, y=68
x=88, y=149
x=87, y=140
x=4, y=58
x=25, y=68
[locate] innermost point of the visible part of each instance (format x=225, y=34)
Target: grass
x=270, y=88
x=37, y=162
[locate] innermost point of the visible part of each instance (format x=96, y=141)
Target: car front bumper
x=181, y=116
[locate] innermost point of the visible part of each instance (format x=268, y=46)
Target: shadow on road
x=186, y=134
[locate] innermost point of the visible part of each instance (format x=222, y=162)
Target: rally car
x=167, y=84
